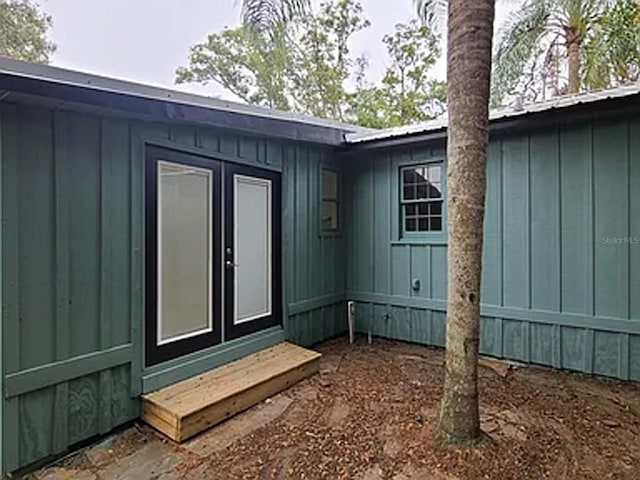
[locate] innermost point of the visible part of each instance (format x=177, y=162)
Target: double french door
x=213, y=252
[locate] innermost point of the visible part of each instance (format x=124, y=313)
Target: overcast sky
x=145, y=40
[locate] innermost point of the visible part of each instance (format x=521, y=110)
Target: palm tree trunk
x=468, y=72
x=574, y=65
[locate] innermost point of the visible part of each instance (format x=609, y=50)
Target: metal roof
x=181, y=106
x=556, y=103
x=12, y=70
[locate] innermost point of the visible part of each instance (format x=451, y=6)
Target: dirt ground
x=370, y=414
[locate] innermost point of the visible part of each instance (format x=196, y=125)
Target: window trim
x=402, y=236
x=328, y=232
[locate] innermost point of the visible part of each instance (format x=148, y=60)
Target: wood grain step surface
x=187, y=408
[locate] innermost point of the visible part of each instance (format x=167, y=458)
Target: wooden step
x=193, y=405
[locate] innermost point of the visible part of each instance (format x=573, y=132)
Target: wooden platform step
x=193, y=405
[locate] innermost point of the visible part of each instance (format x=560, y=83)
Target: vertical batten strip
x=500, y=337
x=293, y=278
x=529, y=231
x=106, y=275
x=526, y=341
x=501, y=222
x=309, y=200
x=318, y=237
x=592, y=225
x=556, y=346
x=629, y=229
x=623, y=357
x=136, y=164
x=2, y=218
x=589, y=348
x=10, y=282
x=560, y=249
x=634, y=220
x=60, y=127
x=287, y=228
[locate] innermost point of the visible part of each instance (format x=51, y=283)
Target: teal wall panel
x=10, y=278
x=515, y=218
x=492, y=239
x=611, y=219
x=491, y=336
x=576, y=213
x=606, y=353
x=420, y=270
x=78, y=157
x=634, y=218
x=73, y=286
x=541, y=346
x=420, y=326
x=555, y=290
x=573, y=348
x=315, y=272
x=438, y=328
x=513, y=339
x=438, y=274
x=400, y=266
x=544, y=178
x=382, y=276
x=35, y=342
x=115, y=249
x=634, y=357
x=36, y=413
x=84, y=395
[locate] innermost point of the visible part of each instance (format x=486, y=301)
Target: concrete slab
x=61, y=473
x=150, y=461
x=339, y=412
x=373, y=473
x=237, y=427
x=117, y=446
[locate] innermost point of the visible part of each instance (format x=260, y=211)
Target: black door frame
x=155, y=353
x=231, y=330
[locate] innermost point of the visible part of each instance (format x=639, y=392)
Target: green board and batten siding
x=561, y=272
x=72, y=288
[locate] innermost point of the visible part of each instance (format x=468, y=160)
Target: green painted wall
x=72, y=271
x=554, y=291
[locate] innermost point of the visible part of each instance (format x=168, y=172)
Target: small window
x=421, y=198
x=329, y=200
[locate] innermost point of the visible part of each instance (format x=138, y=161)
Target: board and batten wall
x=73, y=258
x=561, y=262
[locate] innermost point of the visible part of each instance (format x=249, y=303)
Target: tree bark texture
x=574, y=66
x=468, y=75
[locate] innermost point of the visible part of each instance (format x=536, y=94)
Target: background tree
x=265, y=16
x=324, y=63
x=252, y=67
x=305, y=65
x=470, y=34
x=541, y=48
x=612, y=54
x=407, y=94
x=23, y=32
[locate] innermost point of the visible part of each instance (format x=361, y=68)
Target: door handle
x=230, y=264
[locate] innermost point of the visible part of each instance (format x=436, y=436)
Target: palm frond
x=518, y=41
x=432, y=13
x=263, y=15
x=582, y=14
x=596, y=71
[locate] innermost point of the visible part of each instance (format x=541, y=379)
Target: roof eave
x=71, y=86
x=562, y=115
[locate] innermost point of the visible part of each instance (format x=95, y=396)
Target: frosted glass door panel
x=184, y=251
x=253, y=254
